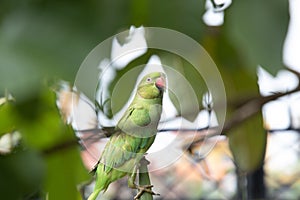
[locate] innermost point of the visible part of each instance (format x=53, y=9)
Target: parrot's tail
x=102, y=182
x=94, y=195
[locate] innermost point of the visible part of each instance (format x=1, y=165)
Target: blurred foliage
x=245, y=41
x=248, y=144
x=48, y=39
x=21, y=175
x=43, y=162
x=7, y=117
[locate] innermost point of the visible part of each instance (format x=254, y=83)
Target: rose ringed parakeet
x=134, y=134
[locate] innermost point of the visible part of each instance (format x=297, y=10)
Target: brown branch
x=254, y=106
x=249, y=109
x=60, y=147
x=94, y=135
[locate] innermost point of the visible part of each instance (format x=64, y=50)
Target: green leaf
x=247, y=143
x=258, y=29
x=65, y=172
x=40, y=122
x=42, y=129
x=7, y=118
x=21, y=175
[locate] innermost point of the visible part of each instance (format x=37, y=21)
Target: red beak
x=160, y=83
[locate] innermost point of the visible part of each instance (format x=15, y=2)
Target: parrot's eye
x=149, y=79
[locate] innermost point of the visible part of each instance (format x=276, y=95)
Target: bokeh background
x=45, y=41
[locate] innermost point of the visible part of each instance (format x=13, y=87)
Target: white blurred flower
x=214, y=16
x=291, y=47
x=8, y=142
x=76, y=108
x=276, y=113
x=107, y=76
x=268, y=84
x=134, y=47
x=207, y=101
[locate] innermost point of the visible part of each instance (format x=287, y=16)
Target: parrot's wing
x=120, y=150
x=123, y=147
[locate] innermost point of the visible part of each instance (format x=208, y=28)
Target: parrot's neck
x=139, y=98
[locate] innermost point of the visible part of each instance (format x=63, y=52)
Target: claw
x=142, y=189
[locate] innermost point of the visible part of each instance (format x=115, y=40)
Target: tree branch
x=144, y=178
x=249, y=109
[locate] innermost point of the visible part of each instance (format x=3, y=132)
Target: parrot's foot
x=142, y=189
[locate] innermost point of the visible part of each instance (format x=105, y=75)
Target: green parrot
x=134, y=134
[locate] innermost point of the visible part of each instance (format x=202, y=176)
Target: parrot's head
x=152, y=85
